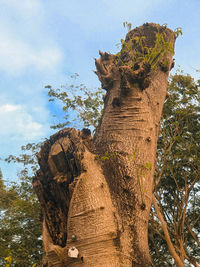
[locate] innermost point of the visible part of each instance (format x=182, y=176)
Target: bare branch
x=167, y=236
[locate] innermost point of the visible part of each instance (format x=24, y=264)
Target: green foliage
x=20, y=229
x=8, y=261
x=27, y=157
x=127, y=25
x=148, y=166
x=142, y=53
x=177, y=174
x=178, y=31
x=161, y=49
x=141, y=172
x=20, y=226
x=86, y=104
x=107, y=156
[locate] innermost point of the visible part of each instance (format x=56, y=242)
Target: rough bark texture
x=96, y=194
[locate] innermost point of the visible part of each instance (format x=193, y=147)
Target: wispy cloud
x=18, y=124
x=16, y=56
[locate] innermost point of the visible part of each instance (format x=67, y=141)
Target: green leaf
x=148, y=166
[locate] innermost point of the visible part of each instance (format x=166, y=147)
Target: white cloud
x=16, y=56
x=8, y=108
x=17, y=123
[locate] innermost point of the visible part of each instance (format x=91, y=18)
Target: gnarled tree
x=96, y=193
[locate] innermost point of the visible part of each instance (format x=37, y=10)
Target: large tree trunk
x=96, y=193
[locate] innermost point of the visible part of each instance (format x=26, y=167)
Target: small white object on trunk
x=73, y=252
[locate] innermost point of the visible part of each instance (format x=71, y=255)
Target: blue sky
x=43, y=42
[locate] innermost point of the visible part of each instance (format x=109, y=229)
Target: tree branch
x=167, y=236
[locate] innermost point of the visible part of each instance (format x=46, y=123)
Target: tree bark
x=96, y=193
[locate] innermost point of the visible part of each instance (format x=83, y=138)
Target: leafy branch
x=137, y=51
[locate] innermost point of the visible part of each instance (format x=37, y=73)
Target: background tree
x=178, y=174
x=20, y=226
x=85, y=103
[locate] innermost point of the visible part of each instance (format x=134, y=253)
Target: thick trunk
x=96, y=194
